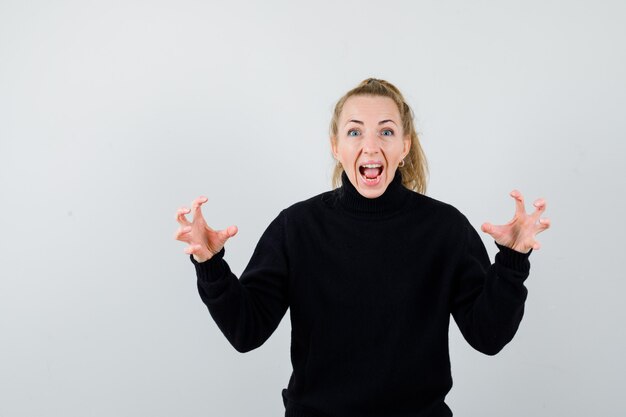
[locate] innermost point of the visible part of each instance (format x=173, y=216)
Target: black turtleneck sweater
x=371, y=285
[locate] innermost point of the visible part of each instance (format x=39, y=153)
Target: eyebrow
x=380, y=123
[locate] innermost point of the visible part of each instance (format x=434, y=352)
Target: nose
x=371, y=143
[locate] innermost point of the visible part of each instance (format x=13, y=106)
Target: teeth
x=372, y=165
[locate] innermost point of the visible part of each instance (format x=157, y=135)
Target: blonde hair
x=415, y=169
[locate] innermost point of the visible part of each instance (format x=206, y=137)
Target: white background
x=115, y=113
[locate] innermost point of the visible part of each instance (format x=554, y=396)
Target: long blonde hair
x=415, y=170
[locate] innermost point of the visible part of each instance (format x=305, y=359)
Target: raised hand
x=519, y=233
x=203, y=242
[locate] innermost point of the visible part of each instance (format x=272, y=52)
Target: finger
x=228, y=232
x=232, y=231
x=196, y=204
x=192, y=249
x=180, y=216
x=536, y=245
x=519, y=201
x=182, y=233
x=540, y=207
x=543, y=225
x=492, y=230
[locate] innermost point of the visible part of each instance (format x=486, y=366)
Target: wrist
x=512, y=258
x=200, y=259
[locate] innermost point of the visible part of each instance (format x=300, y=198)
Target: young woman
x=371, y=272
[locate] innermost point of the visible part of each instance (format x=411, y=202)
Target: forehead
x=370, y=107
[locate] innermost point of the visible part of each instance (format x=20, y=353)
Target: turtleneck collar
x=389, y=202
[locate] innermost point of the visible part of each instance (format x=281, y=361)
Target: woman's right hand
x=203, y=242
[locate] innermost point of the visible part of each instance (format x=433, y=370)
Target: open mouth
x=371, y=172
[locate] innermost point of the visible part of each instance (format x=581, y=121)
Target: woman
x=371, y=272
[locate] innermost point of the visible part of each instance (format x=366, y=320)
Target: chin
x=371, y=177
x=372, y=191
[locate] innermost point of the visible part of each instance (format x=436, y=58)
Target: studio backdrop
x=113, y=114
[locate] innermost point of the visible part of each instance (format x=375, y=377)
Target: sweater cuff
x=513, y=259
x=210, y=270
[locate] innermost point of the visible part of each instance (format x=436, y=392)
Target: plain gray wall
x=115, y=113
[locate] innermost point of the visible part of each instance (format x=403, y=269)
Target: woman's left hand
x=519, y=233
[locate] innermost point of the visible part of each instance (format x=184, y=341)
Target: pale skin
x=369, y=130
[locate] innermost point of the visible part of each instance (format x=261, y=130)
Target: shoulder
x=294, y=216
x=311, y=205
x=435, y=209
x=441, y=220
x=303, y=216
x=443, y=223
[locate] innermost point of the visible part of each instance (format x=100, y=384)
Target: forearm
x=490, y=305
x=246, y=310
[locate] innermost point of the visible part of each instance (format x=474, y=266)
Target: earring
x=401, y=164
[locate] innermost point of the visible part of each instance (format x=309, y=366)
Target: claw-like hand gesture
x=519, y=233
x=203, y=241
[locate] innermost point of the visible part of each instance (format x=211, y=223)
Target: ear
x=333, y=147
x=407, y=145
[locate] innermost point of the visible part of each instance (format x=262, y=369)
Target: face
x=370, y=143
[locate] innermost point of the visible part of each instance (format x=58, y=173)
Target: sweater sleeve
x=488, y=299
x=248, y=310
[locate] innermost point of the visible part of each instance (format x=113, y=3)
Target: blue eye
x=353, y=132
x=387, y=132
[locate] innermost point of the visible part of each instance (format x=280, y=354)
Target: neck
x=390, y=201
